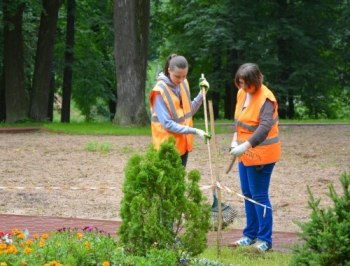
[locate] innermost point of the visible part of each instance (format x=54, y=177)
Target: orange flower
x=36, y=236
x=3, y=264
x=11, y=249
x=23, y=263
x=45, y=236
x=42, y=243
x=3, y=246
x=29, y=242
x=106, y=263
x=79, y=235
x=16, y=231
x=27, y=250
x=87, y=244
x=21, y=236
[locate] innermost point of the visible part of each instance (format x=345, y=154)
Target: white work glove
x=202, y=134
x=234, y=144
x=240, y=149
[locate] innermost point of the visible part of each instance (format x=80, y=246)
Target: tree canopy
x=300, y=46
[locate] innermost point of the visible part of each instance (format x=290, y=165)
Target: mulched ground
x=312, y=156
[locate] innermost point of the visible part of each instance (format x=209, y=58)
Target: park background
x=100, y=59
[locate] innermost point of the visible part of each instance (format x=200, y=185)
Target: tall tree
x=131, y=31
x=69, y=59
x=43, y=62
x=302, y=32
x=15, y=93
x=93, y=70
x=2, y=97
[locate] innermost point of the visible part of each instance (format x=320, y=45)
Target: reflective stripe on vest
x=247, y=122
x=172, y=107
x=180, y=113
x=253, y=128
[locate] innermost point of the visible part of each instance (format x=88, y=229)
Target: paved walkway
x=283, y=241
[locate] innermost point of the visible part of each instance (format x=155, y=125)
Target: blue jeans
x=255, y=185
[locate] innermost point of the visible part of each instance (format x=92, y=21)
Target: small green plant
x=326, y=237
x=126, y=150
x=105, y=147
x=94, y=145
x=159, y=204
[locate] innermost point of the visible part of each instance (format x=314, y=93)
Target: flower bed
x=89, y=246
x=64, y=247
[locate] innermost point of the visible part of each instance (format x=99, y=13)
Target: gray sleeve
x=265, y=124
x=196, y=103
x=165, y=119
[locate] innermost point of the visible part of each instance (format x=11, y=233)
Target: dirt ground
x=312, y=155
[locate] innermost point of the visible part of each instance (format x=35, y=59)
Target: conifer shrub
x=326, y=237
x=161, y=207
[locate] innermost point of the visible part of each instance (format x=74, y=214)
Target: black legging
x=184, y=158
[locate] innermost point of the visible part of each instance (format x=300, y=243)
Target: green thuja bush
x=161, y=207
x=326, y=237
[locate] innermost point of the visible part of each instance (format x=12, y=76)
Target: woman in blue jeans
x=256, y=144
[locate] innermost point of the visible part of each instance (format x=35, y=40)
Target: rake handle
x=205, y=108
x=213, y=142
x=206, y=130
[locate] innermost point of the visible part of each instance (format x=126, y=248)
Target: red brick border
x=283, y=241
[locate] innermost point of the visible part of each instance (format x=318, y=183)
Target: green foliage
x=326, y=238
x=94, y=128
x=91, y=247
x=300, y=64
x=245, y=256
x=159, y=203
x=94, y=145
x=307, y=69
x=94, y=70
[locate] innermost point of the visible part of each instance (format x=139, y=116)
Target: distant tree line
x=93, y=54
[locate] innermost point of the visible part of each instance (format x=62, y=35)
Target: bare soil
x=72, y=181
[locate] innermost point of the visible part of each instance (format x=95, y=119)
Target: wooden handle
x=218, y=191
x=205, y=108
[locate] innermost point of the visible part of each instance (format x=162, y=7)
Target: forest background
x=103, y=57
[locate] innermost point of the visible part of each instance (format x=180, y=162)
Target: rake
x=228, y=214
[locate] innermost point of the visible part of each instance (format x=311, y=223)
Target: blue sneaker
x=262, y=245
x=244, y=241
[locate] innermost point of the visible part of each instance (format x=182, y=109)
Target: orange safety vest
x=247, y=121
x=181, y=115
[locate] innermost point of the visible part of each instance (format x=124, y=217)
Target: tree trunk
x=2, y=97
x=291, y=105
x=230, y=89
x=15, y=93
x=43, y=62
x=282, y=53
x=69, y=59
x=51, y=102
x=131, y=32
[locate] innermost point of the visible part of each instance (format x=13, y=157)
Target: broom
x=228, y=214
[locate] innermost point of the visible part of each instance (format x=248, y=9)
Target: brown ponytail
x=174, y=61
